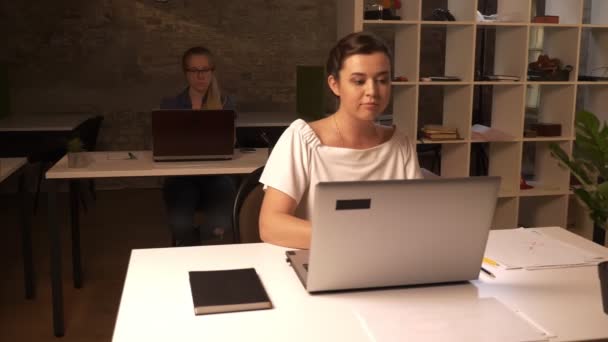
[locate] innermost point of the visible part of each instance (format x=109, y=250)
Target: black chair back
x=248, y=198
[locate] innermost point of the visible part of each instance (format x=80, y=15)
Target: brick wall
x=120, y=57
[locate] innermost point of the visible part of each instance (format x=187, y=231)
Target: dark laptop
x=368, y=234
x=186, y=134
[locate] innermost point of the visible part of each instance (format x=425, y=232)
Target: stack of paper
x=531, y=249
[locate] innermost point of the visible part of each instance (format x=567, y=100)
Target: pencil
x=488, y=272
x=490, y=261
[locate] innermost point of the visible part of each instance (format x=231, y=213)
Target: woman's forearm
x=285, y=230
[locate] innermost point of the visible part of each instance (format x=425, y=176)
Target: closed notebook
x=227, y=291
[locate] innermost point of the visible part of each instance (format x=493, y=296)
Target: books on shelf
x=500, y=78
x=439, y=132
x=227, y=291
x=485, y=133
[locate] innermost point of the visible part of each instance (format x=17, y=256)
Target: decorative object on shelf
x=547, y=129
x=602, y=270
x=548, y=69
x=546, y=19
x=523, y=185
x=589, y=165
x=400, y=79
x=77, y=157
x=383, y=10
x=441, y=14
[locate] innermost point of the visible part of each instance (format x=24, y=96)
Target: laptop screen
x=192, y=134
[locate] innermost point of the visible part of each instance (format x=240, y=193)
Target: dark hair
x=355, y=43
x=197, y=50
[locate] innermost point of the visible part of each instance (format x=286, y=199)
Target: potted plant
x=76, y=153
x=589, y=165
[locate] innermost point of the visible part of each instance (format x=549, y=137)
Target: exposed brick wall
x=120, y=57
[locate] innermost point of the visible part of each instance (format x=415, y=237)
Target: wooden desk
x=156, y=303
x=8, y=167
x=109, y=164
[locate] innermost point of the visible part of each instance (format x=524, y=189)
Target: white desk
x=51, y=122
x=8, y=167
x=105, y=165
x=156, y=303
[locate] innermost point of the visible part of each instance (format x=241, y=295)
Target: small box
x=547, y=129
x=546, y=19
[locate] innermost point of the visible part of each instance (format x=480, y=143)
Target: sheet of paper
x=483, y=319
x=531, y=249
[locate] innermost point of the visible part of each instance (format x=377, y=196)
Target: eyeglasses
x=199, y=72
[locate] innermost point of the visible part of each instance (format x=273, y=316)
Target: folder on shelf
x=530, y=249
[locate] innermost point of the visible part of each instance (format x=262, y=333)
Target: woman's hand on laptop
x=279, y=225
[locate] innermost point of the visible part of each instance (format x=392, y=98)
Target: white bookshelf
x=516, y=42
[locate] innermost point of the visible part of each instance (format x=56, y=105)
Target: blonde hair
x=214, y=96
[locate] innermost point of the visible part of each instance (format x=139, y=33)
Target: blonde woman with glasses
x=213, y=194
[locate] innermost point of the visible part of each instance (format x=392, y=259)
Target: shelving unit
x=579, y=40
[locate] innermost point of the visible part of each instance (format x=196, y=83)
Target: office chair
x=247, y=206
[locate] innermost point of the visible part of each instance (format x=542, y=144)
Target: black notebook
x=227, y=291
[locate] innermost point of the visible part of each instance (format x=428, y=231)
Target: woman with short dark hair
x=345, y=146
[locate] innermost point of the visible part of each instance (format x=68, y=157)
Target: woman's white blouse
x=299, y=161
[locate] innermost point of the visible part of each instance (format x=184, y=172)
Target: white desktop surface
x=104, y=165
x=9, y=165
x=38, y=122
x=156, y=302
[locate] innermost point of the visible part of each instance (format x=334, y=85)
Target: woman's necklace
x=342, y=143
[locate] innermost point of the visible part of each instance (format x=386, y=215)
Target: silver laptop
x=186, y=134
x=401, y=232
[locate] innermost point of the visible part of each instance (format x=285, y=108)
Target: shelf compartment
x=446, y=160
x=509, y=11
x=596, y=11
x=451, y=48
x=501, y=50
x=594, y=52
x=570, y=12
x=557, y=42
x=505, y=215
x=447, y=105
x=404, y=104
x=556, y=104
x=594, y=98
x=504, y=110
x=542, y=171
x=454, y=160
x=543, y=211
x=497, y=159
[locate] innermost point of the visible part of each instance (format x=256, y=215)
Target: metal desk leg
x=26, y=240
x=75, y=219
x=56, y=281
